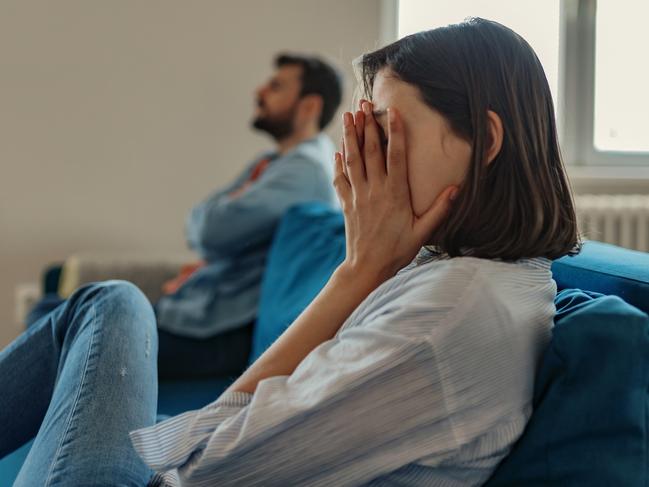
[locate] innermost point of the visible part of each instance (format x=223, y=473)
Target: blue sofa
x=591, y=399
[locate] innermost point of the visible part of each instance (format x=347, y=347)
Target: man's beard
x=278, y=127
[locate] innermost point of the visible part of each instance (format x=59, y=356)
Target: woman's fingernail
x=367, y=109
x=390, y=115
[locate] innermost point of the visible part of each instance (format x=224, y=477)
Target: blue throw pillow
x=309, y=244
x=589, y=426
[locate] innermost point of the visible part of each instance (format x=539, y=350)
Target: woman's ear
x=495, y=132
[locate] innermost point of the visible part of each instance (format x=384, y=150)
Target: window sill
x=609, y=179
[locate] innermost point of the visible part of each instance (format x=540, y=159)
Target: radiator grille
x=617, y=219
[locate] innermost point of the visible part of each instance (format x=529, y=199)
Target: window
x=591, y=51
x=537, y=21
x=621, y=76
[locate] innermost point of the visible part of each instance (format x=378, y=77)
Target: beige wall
x=116, y=116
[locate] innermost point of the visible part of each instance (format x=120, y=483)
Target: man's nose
x=260, y=91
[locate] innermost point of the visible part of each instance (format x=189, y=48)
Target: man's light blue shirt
x=233, y=234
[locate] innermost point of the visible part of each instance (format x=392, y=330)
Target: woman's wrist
x=363, y=278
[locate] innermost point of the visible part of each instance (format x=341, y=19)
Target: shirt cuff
x=169, y=444
x=233, y=399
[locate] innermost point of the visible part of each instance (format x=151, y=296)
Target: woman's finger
x=355, y=167
x=362, y=132
x=341, y=183
x=359, y=124
x=397, y=167
x=372, y=149
x=343, y=154
x=426, y=224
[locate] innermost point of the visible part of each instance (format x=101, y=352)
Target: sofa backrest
x=309, y=244
x=606, y=269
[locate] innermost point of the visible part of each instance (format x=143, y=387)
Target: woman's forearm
x=318, y=323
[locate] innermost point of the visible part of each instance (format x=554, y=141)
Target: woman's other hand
x=371, y=178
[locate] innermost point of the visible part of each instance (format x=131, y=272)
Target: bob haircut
x=520, y=205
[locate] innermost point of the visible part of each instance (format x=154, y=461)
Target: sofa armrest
x=148, y=272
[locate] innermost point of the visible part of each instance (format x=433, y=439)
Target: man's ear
x=495, y=136
x=311, y=106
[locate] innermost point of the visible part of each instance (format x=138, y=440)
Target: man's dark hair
x=318, y=78
x=520, y=205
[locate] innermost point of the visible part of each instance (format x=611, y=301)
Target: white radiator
x=618, y=219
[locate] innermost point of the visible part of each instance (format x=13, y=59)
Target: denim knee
x=121, y=294
x=127, y=299
x=121, y=301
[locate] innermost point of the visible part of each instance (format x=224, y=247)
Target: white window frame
x=576, y=96
x=577, y=59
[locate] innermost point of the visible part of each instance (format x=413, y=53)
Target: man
x=91, y=361
x=205, y=323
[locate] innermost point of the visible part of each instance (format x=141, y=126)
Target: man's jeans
x=80, y=379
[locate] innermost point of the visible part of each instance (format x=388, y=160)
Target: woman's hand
x=382, y=232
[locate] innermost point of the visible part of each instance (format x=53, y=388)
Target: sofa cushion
x=589, y=425
x=175, y=397
x=607, y=269
x=309, y=244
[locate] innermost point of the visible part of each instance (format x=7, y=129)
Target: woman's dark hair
x=318, y=78
x=520, y=205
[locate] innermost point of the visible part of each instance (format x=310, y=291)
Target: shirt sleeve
x=224, y=225
x=213, y=198
x=358, y=406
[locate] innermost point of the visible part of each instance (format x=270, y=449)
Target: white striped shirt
x=428, y=382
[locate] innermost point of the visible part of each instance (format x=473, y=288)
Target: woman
x=400, y=372
x=415, y=363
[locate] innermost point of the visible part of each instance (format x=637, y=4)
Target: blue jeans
x=79, y=380
x=180, y=357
